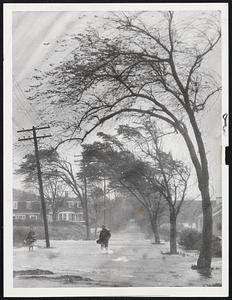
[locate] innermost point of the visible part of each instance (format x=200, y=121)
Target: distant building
x=217, y=218
x=69, y=210
x=70, y=215
x=186, y=218
x=187, y=215
x=27, y=206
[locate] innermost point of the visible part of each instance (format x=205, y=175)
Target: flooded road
x=132, y=261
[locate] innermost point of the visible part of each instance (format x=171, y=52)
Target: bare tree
x=138, y=66
x=146, y=193
x=54, y=189
x=65, y=172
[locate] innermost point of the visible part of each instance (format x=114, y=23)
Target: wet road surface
x=132, y=261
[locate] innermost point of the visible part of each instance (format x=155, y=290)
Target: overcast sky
x=34, y=42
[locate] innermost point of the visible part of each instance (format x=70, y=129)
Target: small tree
x=77, y=182
x=138, y=180
x=54, y=189
x=56, y=173
x=53, y=185
x=169, y=176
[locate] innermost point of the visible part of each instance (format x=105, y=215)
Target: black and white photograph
x=116, y=119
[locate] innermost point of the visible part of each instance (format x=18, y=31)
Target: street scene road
x=132, y=261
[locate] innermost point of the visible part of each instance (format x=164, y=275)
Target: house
x=70, y=215
x=69, y=210
x=217, y=217
x=28, y=210
x=27, y=206
x=187, y=215
x=186, y=218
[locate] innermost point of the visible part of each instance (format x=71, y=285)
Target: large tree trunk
x=96, y=223
x=87, y=222
x=155, y=228
x=54, y=216
x=173, y=248
x=86, y=211
x=204, y=260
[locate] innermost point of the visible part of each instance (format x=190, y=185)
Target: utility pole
x=43, y=204
x=86, y=199
x=104, y=200
x=86, y=206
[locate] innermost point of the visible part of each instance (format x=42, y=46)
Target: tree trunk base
x=203, y=263
x=174, y=253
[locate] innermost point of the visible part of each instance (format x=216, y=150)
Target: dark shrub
x=190, y=239
x=217, y=247
x=28, y=222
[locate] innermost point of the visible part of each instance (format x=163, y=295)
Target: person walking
x=30, y=239
x=104, y=237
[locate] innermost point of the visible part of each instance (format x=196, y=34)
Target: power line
x=29, y=110
x=24, y=109
x=17, y=127
x=18, y=87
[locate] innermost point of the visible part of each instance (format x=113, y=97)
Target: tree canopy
x=133, y=66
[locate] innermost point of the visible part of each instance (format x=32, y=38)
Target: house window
x=70, y=217
x=60, y=217
x=15, y=205
x=64, y=217
x=28, y=204
x=22, y=205
x=21, y=217
x=80, y=216
x=33, y=217
x=70, y=204
x=35, y=205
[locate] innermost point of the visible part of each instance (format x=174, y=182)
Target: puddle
x=32, y=272
x=61, y=278
x=122, y=258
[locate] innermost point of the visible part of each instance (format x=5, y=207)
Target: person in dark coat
x=30, y=239
x=104, y=238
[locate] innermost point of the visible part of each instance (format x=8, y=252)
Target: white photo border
x=9, y=290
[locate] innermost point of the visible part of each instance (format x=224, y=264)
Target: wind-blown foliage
x=151, y=185
x=170, y=177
